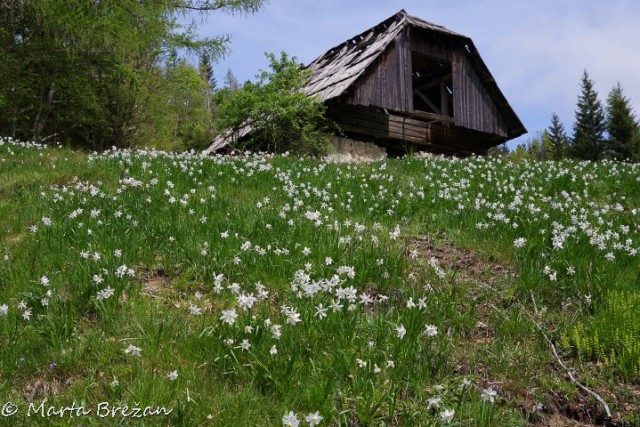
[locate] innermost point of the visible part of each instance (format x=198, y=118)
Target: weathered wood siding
x=385, y=83
x=430, y=44
x=473, y=107
x=400, y=127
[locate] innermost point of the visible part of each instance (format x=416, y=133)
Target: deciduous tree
x=281, y=116
x=87, y=71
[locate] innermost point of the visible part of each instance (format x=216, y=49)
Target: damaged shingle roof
x=337, y=69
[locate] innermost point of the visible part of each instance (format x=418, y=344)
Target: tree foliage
x=558, y=139
x=205, y=69
x=89, y=72
x=231, y=82
x=622, y=126
x=281, y=116
x=590, y=125
x=498, y=151
x=537, y=148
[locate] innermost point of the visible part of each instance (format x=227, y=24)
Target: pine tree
x=205, y=70
x=590, y=125
x=621, y=125
x=557, y=138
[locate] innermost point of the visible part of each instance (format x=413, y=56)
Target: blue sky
x=536, y=50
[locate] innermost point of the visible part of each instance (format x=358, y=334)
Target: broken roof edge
x=361, y=41
x=402, y=14
x=360, y=36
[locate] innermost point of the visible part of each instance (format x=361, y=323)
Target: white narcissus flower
x=229, y=316
x=133, y=350
x=434, y=402
x=519, y=242
x=290, y=420
x=314, y=419
x=173, y=375
x=321, y=312
x=195, y=310
x=489, y=395
x=105, y=293
x=447, y=415
x=431, y=330
x=401, y=331
x=293, y=318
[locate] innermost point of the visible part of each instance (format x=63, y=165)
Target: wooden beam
x=429, y=85
x=444, y=98
x=423, y=115
x=427, y=101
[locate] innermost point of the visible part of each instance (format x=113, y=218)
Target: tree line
x=600, y=131
x=98, y=74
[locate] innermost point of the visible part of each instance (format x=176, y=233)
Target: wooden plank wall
x=399, y=129
x=387, y=83
x=405, y=69
x=382, y=85
x=473, y=107
x=431, y=44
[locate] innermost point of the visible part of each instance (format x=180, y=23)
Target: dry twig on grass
x=561, y=363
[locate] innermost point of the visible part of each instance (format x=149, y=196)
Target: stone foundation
x=350, y=150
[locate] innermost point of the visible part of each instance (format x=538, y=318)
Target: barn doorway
x=432, y=85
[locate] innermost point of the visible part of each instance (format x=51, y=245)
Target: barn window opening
x=432, y=85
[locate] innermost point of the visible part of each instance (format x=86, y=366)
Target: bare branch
x=571, y=377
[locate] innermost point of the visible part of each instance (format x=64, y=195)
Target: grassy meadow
x=262, y=290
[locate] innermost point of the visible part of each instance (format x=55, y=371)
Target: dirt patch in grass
x=42, y=387
x=154, y=282
x=484, y=280
x=468, y=265
x=579, y=412
x=557, y=420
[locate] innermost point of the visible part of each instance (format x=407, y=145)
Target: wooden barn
x=407, y=83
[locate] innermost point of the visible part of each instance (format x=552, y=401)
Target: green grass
x=117, y=268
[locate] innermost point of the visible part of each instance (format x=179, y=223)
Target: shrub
x=282, y=118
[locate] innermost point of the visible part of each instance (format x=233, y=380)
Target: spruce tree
x=205, y=70
x=557, y=138
x=590, y=125
x=231, y=82
x=621, y=125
